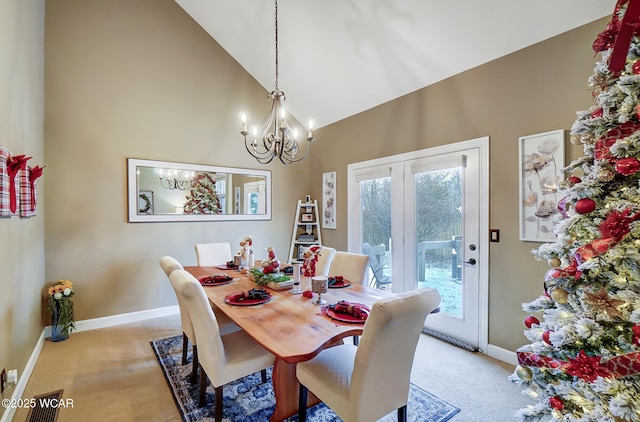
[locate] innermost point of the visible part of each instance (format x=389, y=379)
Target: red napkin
x=253, y=294
x=216, y=278
x=33, y=175
x=336, y=279
x=356, y=310
x=14, y=165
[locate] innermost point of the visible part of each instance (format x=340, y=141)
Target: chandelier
x=275, y=138
x=176, y=179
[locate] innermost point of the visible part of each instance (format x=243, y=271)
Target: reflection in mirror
x=166, y=191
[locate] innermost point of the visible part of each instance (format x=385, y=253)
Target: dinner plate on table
x=216, y=280
x=245, y=302
x=226, y=267
x=339, y=316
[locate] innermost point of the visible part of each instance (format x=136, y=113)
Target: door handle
x=471, y=261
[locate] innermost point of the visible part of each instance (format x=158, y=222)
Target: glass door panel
x=438, y=236
x=375, y=220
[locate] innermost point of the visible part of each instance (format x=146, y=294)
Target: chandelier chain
x=277, y=46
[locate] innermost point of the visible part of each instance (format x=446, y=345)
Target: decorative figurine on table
x=272, y=264
x=245, y=251
x=310, y=259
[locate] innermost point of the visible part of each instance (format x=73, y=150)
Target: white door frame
x=393, y=163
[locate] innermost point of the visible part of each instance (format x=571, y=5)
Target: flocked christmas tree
x=203, y=197
x=583, y=362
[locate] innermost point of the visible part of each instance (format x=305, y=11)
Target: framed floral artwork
x=541, y=160
x=329, y=200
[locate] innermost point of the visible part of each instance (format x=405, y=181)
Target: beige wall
x=534, y=90
x=21, y=121
x=140, y=79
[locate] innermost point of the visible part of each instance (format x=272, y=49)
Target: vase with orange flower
x=61, y=307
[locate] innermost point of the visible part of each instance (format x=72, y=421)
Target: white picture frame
x=329, y=200
x=541, y=160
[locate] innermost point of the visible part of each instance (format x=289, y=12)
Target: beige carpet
x=112, y=375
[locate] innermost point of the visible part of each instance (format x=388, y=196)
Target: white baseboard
x=22, y=380
x=85, y=325
x=502, y=354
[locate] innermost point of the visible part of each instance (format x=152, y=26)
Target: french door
x=424, y=217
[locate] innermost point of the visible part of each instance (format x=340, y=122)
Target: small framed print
x=329, y=200
x=307, y=217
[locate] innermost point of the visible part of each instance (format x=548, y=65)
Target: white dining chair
x=212, y=254
x=324, y=260
x=352, y=266
x=364, y=383
x=169, y=265
x=222, y=358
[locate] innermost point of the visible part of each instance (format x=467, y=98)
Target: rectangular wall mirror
x=165, y=191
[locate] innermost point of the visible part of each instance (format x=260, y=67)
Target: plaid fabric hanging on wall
x=4, y=183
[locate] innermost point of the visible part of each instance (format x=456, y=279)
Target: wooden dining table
x=292, y=327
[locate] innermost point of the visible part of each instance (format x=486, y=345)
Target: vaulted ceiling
x=338, y=58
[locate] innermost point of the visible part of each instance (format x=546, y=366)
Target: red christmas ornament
x=556, y=403
x=545, y=337
x=596, y=113
x=575, y=179
x=627, y=166
x=585, y=205
x=531, y=320
x=636, y=67
x=636, y=330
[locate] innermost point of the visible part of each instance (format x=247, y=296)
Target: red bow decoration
x=14, y=165
x=614, y=228
x=607, y=38
x=586, y=367
x=626, y=29
x=33, y=175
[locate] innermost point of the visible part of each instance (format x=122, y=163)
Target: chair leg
x=218, y=411
x=185, y=346
x=203, y=388
x=355, y=340
x=195, y=365
x=402, y=414
x=263, y=374
x=302, y=404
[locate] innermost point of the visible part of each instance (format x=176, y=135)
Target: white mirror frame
x=132, y=192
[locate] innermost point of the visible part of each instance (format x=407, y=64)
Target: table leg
x=285, y=388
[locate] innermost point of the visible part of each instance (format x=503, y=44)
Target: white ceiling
x=340, y=57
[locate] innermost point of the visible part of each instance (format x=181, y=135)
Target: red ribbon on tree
x=614, y=228
x=14, y=165
x=626, y=29
x=33, y=175
x=586, y=367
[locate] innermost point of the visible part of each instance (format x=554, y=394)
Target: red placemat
x=245, y=302
x=338, y=316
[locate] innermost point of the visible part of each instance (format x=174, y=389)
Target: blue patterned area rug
x=248, y=400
